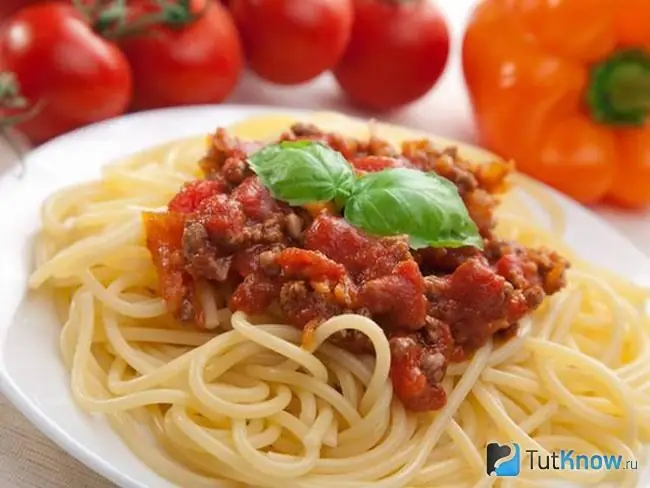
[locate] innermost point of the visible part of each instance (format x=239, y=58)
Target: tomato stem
x=112, y=20
x=10, y=96
x=12, y=100
x=619, y=92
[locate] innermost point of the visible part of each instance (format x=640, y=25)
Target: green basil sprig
x=301, y=172
x=424, y=206
x=397, y=201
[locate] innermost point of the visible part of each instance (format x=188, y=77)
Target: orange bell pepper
x=563, y=88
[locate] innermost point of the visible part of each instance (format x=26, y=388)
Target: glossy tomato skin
x=397, y=52
x=198, y=63
x=292, y=41
x=78, y=77
x=10, y=7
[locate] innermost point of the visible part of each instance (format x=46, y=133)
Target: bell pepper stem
x=619, y=89
x=631, y=90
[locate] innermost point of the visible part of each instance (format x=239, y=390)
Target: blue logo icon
x=502, y=459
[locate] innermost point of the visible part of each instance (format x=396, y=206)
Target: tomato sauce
x=435, y=305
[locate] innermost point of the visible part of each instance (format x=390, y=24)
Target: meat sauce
x=435, y=305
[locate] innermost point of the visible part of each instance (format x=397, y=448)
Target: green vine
x=12, y=100
x=110, y=18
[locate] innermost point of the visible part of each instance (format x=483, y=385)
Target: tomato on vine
x=72, y=75
x=181, y=53
x=10, y=7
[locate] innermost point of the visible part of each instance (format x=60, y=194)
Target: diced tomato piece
x=410, y=383
x=224, y=217
x=255, y=198
x=247, y=260
x=374, y=164
x=164, y=236
x=194, y=193
x=388, y=294
x=341, y=242
x=309, y=265
x=255, y=294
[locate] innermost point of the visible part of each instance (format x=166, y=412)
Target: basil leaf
x=424, y=206
x=301, y=172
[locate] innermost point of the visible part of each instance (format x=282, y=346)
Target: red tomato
x=197, y=63
x=293, y=41
x=9, y=7
x=60, y=62
x=397, y=52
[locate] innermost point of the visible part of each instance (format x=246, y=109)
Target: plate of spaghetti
x=235, y=297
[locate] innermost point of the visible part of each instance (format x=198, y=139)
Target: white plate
x=31, y=373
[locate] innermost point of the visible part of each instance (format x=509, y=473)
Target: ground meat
x=242, y=220
x=385, y=274
x=201, y=256
x=435, y=305
x=436, y=334
x=302, y=129
x=343, y=269
x=302, y=306
x=269, y=232
x=476, y=302
x=436, y=260
x=255, y=294
x=235, y=170
x=224, y=147
x=419, y=363
x=433, y=367
x=255, y=258
x=416, y=372
x=424, y=155
x=526, y=268
x=380, y=147
x=353, y=340
x=493, y=177
x=310, y=288
x=481, y=206
x=348, y=147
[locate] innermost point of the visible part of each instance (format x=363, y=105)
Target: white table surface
x=29, y=460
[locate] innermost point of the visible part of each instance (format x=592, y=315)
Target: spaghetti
x=245, y=405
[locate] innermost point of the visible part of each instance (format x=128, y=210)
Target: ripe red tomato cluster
x=84, y=65
x=383, y=53
x=99, y=58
